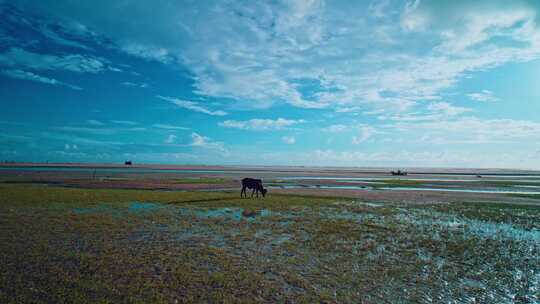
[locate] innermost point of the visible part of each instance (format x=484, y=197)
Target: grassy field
x=397, y=183
x=533, y=196
x=79, y=245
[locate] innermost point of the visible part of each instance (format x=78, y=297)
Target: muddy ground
x=182, y=178
x=128, y=237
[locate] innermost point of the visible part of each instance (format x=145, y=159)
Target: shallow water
x=341, y=178
x=227, y=213
x=490, y=190
x=527, y=186
x=433, y=179
x=101, y=208
x=479, y=228
x=495, y=191
x=141, y=207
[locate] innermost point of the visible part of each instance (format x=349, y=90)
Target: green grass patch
x=533, y=196
x=510, y=183
x=306, y=250
x=397, y=183
x=45, y=196
x=36, y=195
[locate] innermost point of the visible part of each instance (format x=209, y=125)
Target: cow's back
x=251, y=182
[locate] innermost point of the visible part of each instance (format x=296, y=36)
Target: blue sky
x=344, y=83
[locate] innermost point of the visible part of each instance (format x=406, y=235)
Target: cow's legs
x=243, y=191
x=252, y=192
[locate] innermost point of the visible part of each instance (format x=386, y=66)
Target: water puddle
x=135, y=207
x=357, y=203
x=487, y=230
x=143, y=207
x=101, y=208
x=236, y=214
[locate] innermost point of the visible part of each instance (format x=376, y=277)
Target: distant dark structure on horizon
x=399, y=172
x=255, y=184
x=128, y=163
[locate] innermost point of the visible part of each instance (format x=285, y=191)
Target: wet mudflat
x=420, y=185
x=90, y=245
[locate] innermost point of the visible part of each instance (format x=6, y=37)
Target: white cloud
x=399, y=65
x=136, y=85
x=373, y=112
x=170, y=139
x=446, y=109
x=484, y=96
x=192, y=106
x=201, y=141
x=461, y=159
x=20, y=74
x=412, y=18
x=259, y=53
x=348, y=109
x=435, y=111
x=148, y=52
x=59, y=38
x=479, y=28
x=365, y=133
x=124, y=122
x=99, y=129
x=258, y=124
x=472, y=130
x=288, y=139
x=74, y=63
x=71, y=147
x=169, y=127
x=198, y=140
x=95, y=122
x=379, y=8
x=60, y=31
x=336, y=128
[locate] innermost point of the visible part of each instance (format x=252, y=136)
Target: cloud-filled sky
x=346, y=83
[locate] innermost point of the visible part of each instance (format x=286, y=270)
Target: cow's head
x=263, y=191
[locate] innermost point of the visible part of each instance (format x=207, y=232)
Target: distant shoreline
x=248, y=168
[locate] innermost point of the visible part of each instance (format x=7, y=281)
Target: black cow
x=255, y=184
x=398, y=172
